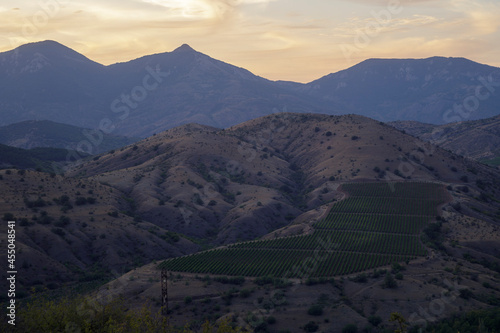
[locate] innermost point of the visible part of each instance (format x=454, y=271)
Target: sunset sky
x=277, y=39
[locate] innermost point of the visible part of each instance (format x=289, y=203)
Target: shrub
x=389, y=281
x=113, y=213
x=8, y=217
x=360, y=278
x=350, y=328
x=80, y=201
x=466, y=293
x=63, y=221
x=58, y=231
x=311, y=327
x=375, y=320
x=245, y=293
x=315, y=310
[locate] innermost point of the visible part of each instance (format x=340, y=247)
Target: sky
x=293, y=40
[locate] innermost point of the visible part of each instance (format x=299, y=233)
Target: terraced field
x=377, y=224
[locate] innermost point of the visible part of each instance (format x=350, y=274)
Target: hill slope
x=30, y=134
x=479, y=139
x=270, y=177
x=71, y=230
x=37, y=158
x=248, y=180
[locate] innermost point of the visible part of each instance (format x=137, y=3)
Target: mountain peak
x=184, y=48
x=44, y=45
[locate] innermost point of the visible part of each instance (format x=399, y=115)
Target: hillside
x=31, y=133
x=476, y=139
x=42, y=159
x=195, y=187
x=248, y=180
x=70, y=230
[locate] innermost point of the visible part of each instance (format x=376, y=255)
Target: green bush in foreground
x=86, y=315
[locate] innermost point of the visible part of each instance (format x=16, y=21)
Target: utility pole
x=164, y=292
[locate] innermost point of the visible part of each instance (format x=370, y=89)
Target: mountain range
x=48, y=81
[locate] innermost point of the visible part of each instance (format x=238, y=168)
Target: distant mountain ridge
x=424, y=90
x=478, y=139
x=37, y=158
x=48, y=81
x=44, y=133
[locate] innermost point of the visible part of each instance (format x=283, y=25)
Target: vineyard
x=377, y=224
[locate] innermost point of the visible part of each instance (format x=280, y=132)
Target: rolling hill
x=476, y=139
x=44, y=133
x=195, y=187
x=42, y=159
x=250, y=179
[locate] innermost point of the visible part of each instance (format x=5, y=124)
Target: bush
x=389, y=282
x=245, y=293
x=375, y=320
x=58, y=231
x=80, y=201
x=311, y=327
x=466, y=293
x=350, y=328
x=360, y=278
x=113, y=214
x=72, y=314
x=8, y=217
x=63, y=221
x=315, y=310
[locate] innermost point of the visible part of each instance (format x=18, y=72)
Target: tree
x=397, y=317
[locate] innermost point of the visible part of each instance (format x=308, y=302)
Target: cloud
x=396, y=2
x=355, y=26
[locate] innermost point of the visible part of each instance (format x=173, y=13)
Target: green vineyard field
x=377, y=224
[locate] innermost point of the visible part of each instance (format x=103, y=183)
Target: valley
x=280, y=182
